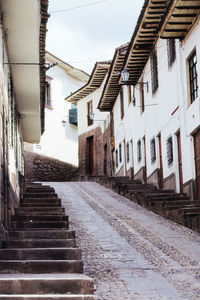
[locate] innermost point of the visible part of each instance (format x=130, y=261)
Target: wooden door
x=90, y=146
x=180, y=170
x=197, y=160
x=145, y=160
x=105, y=160
x=125, y=159
x=161, y=183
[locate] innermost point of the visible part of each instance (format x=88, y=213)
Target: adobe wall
x=43, y=168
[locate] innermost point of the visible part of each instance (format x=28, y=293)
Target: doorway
x=161, y=183
x=197, y=160
x=90, y=155
x=180, y=170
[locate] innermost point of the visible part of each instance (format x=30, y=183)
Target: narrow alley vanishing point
x=130, y=252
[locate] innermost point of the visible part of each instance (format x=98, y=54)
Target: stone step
x=40, y=204
x=39, y=189
x=41, y=254
x=40, y=195
x=43, y=200
x=165, y=195
x=39, y=224
x=46, y=283
x=40, y=234
x=48, y=297
x=40, y=210
x=38, y=217
x=39, y=243
x=41, y=266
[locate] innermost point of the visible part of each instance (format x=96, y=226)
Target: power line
x=76, y=7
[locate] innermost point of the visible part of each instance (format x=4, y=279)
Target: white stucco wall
x=166, y=112
x=57, y=141
x=100, y=118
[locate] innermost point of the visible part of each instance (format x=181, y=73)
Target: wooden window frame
x=154, y=71
x=171, y=51
x=139, y=150
x=193, y=76
x=120, y=152
x=122, y=103
x=127, y=152
x=153, y=150
x=89, y=111
x=170, y=156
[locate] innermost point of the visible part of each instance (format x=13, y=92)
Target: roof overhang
x=98, y=74
x=158, y=18
x=180, y=19
x=25, y=23
x=112, y=86
x=70, y=70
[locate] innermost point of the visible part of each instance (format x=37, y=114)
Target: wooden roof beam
x=188, y=7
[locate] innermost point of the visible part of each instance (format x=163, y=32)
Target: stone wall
x=43, y=168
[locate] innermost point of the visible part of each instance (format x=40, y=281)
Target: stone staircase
x=175, y=206
x=39, y=258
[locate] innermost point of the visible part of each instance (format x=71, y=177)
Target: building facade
x=21, y=103
x=60, y=138
x=156, y=112
x=93, y=125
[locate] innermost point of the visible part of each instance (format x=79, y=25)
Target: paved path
x=130, y=252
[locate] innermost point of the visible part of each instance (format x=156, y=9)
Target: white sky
x=82, y=36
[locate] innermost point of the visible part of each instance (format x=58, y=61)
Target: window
x=171, y=51
x=122, y=103
x=116, y=157
x=154, y=71
x=192, y=63
x=89, y=111
x=139, y=151
x=141, y=98
x=169, y=150
x=120, y=152
x=129, y=94
x=153, y=150
x=48, y=97
x=127, y=152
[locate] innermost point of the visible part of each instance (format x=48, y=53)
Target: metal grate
x=154, y=71
x=192, y=62
x=171, y=51
x=169, y=150
x=153, y=150
x=139, y=151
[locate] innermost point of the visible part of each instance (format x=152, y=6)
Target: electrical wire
x=76, y=7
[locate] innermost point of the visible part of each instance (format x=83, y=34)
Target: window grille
x=48, y=96
x=153, y=150
x=90, y=111
x=154, y=71
x=141, y=98
x=139, y=151
x=127, y=152
x=122, y=103
x=171, y=51
x=116, y=157
x=120, y=152
x=169, y=150
x=193, y=76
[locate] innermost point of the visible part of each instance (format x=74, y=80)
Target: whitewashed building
x=22, y=94
x=60, y=138
x=93, y=125
x=156, y=117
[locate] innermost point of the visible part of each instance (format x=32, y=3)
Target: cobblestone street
x=130, y=252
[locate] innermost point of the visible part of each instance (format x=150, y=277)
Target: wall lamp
x=64, y=121
x=125, y=76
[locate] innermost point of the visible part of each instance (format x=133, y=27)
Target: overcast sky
x=90, y=30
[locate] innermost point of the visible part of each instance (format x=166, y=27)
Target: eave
x=25, y=23
x=145, y=36
x=70, y=70
x=98, y=74
x=112, y=86
x=180, y=19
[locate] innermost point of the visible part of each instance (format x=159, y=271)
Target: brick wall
x=100, y=140
x=43, y=168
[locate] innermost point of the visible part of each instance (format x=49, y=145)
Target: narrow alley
x=130, y=252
